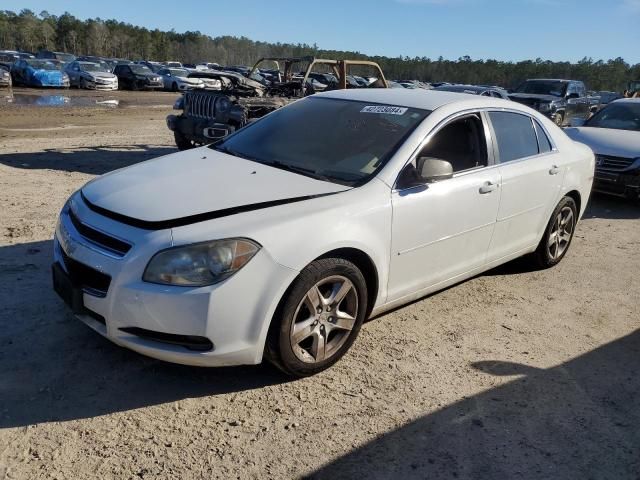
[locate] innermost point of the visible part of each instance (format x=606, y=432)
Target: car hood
x=105, y=75
x=194, y=184
x=608, y=141
x=530, y=96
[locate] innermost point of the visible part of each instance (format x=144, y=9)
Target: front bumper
x=233, y=315
x=623, y=184
x=199, y=129
x=102, y=86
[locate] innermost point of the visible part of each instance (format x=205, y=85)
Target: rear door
x=531, y=174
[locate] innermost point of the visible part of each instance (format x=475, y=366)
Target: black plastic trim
x=190, y=342
x=103, y=240
x=200, y=217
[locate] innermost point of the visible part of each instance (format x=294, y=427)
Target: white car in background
x=282, y=239
x=177, y=79
x=614, y=136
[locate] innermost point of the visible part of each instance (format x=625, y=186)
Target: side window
x=544, y=145
x=515, y=136
x=461, y=143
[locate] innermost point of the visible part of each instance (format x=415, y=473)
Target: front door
x=442, y=230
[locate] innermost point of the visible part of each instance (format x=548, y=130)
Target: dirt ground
x=514, y=374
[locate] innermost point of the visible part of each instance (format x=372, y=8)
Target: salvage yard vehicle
x=561, y=100
x=90, y=75
x=34, y=72
x=62, y=56
x=482, y=90
x=137, y=77
x=5, y=77
x=177, y=79
x=614, y=135
x=280, y=240
x=210, y=116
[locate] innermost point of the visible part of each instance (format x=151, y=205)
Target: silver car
x=5, y=76
x=91, y=76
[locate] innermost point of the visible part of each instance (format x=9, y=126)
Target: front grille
x=107, y=242
x=606, y=162
x=200, y=105
x=90, y=280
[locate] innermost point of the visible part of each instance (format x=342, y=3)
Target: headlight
x=179, y=104
x=200, y=264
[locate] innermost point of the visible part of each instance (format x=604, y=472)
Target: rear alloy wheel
x=83, y=83
x=558, y=235
x=320, y=318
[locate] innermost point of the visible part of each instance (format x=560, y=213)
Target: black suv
x=561, y=100
x=137, y=77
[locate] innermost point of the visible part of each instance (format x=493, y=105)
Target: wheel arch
x=575, y=195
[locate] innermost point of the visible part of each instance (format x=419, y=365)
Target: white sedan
x=178, y=80
x=282, y=239
x=614, y=135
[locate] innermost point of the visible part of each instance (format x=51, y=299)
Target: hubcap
x=561, y=233
x=324, y=319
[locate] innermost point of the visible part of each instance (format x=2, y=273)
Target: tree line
x=110, y=38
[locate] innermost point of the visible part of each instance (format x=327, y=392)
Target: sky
x=558, y=30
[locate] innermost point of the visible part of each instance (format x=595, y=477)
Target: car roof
x=414, y=98
x=627, y=100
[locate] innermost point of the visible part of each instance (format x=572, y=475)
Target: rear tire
x=182, y=142
x=174, y=87
x=319, y=317
x=558, y=234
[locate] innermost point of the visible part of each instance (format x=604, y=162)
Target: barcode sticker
x=388, y=109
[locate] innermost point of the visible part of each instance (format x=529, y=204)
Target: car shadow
x=608, y=206
x=91, y=160
x=54, y=368
x=576, y=420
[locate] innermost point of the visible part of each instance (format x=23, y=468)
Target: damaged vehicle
x=92, y=76
x=34, y=72
x=208, y=116
x=5, y=77
x=178, y=80
x=137, y=77
x=280, y=241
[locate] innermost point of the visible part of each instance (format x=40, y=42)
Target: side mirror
x=577, y=122
x=433, y=169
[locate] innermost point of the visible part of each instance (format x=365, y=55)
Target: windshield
x=619, y=116
x=139, y=69
x=340, y=141
x=178, y=72
x=543, y=87
x=92, y=67
x=42, y=65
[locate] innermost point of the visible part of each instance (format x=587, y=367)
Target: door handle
x=488, y=187
x=554, y=170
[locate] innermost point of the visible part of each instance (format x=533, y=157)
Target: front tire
x=319, y=318
x=558, y=234
x=183, y=143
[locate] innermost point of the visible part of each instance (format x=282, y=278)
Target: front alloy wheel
x=324, y=319
x=319, y=318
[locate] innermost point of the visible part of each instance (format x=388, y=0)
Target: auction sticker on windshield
x=388, y=109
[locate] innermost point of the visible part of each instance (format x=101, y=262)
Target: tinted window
x=514, y=135
x=461, y=143
x=544, y=145
x=617, y=115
